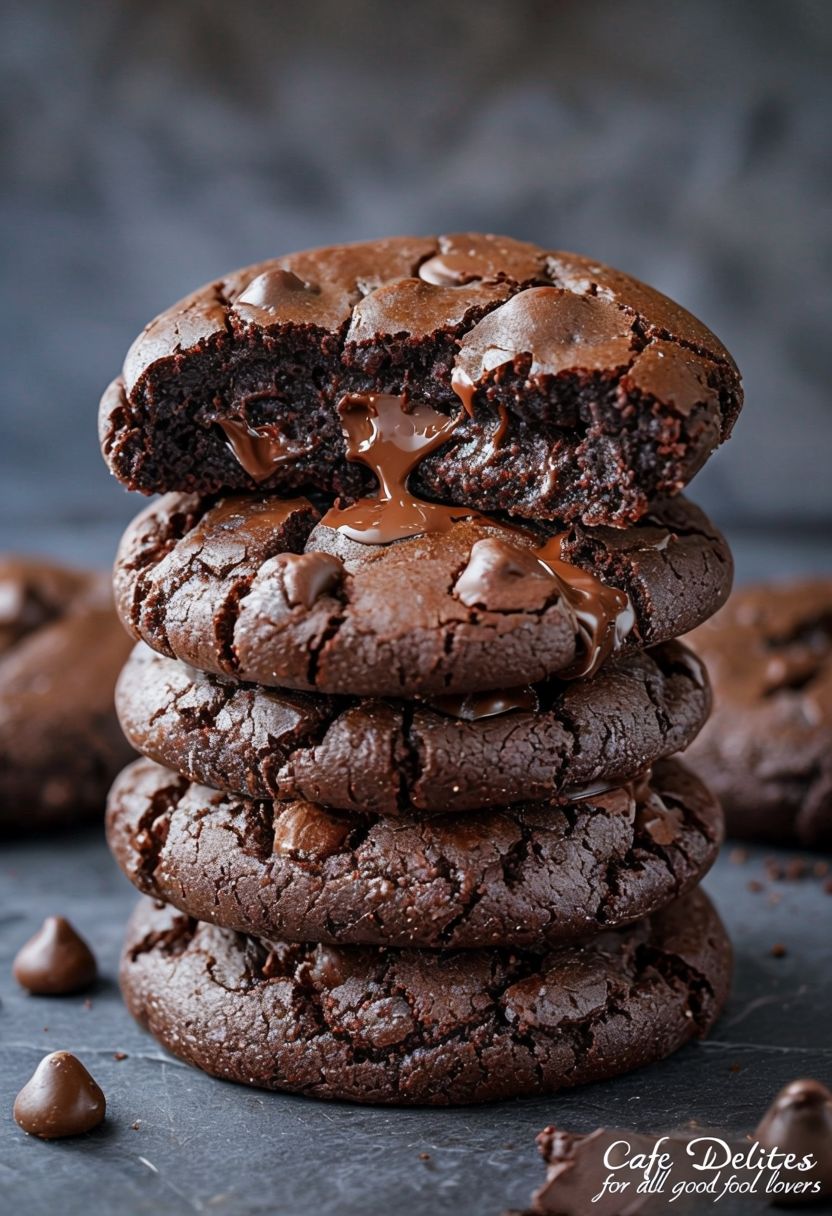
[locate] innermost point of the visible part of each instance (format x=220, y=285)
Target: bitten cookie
x=580, y=393
x=61, y=647
x=257, y=588
x=767, y=750
x=405, y=1027
x=527, y=877
x=393, y=757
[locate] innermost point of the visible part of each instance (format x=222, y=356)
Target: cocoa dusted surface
x=587, y=393
x=534, y=875
x=413, y=1028
x=61, y=649
x=767, y=750
x=391, y=757
x=251, y=587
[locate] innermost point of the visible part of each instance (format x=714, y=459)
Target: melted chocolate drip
x=260, y=450
x=465, y=388
x=471, y=707
x=604, y=614
x=653, y=816
x=390, y=436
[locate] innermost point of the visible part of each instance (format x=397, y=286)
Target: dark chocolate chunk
x=60, y=1099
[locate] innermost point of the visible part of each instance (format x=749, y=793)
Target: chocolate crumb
x=778, y=950
x=119, y=1055
x=754, y=885
x=738, y=856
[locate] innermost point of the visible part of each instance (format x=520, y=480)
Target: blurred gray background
x=148, y=146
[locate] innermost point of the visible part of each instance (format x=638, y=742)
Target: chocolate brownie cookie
x=572, y=391
x=257, y=588
x=369, y=1024
x=767, y=751
x=393, y=757
x=61, y=647
x=532, y=876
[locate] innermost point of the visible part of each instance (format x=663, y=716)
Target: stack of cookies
x=406, y=681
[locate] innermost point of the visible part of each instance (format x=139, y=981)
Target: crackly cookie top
x=572, y=312
x=526, y=877
x=574, y=390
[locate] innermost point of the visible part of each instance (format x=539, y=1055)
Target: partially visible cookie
x=580, y=392
x=767, y=750
x=256, y=588
x=404, y=1027
x=394, y=757
x=527, y=877
x=61, y=648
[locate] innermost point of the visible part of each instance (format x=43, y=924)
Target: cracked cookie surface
x=61, y=647
x=767, y=750
x=394, y=757
x=586, y=393
x=530, y=876
x=406, y=1027
x=256, y=588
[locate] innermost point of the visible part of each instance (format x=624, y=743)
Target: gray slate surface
x=208, y=1146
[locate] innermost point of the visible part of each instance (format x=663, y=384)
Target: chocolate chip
x=60, y=1099
x=503, y=577
x=307, y=576
x=799, y=1121
x=55, y=961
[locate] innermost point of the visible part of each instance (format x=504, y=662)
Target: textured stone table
x=207, y=1146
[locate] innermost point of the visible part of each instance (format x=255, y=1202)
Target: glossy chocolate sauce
x=604, y=614
x=472, y=707
x=391, y=436
x=465, y=388
x=259, y=450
